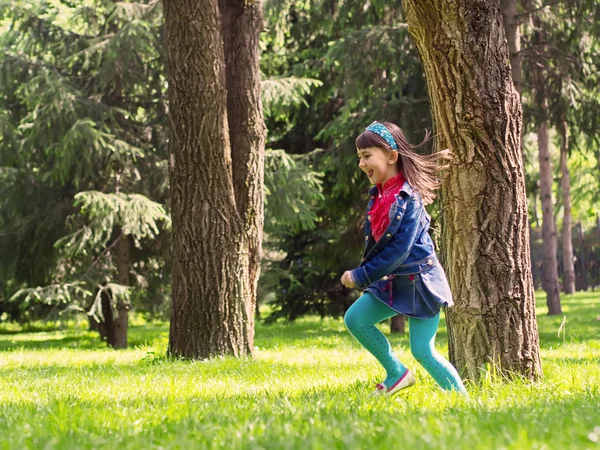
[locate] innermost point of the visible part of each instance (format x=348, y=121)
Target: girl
x=399, y=273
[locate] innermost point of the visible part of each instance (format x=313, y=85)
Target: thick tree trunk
x=213, y=247
x=242, y=23
x=477, y=114
x=565, y=185
x=550, y=264
x=398, y=324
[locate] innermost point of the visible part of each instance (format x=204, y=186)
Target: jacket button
x=368, y=218
x=388, y=235
x=430, y=262
x=398, y=217
x=366, y=238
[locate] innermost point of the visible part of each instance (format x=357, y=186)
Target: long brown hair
x=421, y=171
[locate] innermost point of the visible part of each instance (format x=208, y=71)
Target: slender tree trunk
x=565, y=184
x=213, y=223
x=510, y=17
x=549, y=238
x=477, y=114
x=94, y=325
x=122, y=252
x=550, y=264
x=113, y=329
x=398, y=324
x=108, y=324
x=536, y=218
x=583, y=259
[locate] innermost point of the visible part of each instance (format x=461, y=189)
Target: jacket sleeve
x=383, y=261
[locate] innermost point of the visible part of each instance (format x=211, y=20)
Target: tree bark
x=584, y=286
x=122, y=252
x=550, y=265
x=565, y=184
x=212, y=301
x=398, y=324
x=242, y=23
x=477, y=113
x=107, y=326
x=113, y=329
x=549, y=261
x=510, y=17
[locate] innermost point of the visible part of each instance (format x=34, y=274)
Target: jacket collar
x=405, y=188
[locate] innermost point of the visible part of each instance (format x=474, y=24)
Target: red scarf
x=379, y=213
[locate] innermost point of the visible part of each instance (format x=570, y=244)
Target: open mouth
x=369, y=173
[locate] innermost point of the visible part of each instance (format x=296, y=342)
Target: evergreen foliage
x=83, y=142
x=81, y=102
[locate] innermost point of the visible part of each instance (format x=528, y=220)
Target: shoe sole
x=407, y=380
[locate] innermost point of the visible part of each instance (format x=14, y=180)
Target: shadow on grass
x=81, y=340
x=582, y=325
x=326, y=333
x=259, y=371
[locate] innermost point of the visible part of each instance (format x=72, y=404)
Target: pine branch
x=44, y=24
x=104, y=252
x=10, y=56
x=533, y=11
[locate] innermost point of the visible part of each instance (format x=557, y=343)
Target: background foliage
x=83, y=146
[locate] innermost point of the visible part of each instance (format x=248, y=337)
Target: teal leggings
x=367, y=311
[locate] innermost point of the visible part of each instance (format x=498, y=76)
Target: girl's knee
x=421, y=351
x=351, y=319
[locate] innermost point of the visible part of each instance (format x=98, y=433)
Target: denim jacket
x=403, y=262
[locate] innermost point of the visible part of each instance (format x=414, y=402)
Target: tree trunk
x=550, y=265
x=536, y=219
x=242, y=23
x=565, y=184
x=510, y=17
x=122, y=252
x=477, y=114
x=212, y=300
x=584, y=287
x=113, y=329
x=94, y=325
x=108, y=324
x=549, y=238
x=398, y=324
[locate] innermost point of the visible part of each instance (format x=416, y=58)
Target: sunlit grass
x=308, y=387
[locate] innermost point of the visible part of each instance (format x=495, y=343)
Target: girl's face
x=378, y=164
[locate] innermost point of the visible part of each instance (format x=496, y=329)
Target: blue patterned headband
x=382, y=131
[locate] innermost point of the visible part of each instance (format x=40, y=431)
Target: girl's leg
x=360, y=320
x=422, y=345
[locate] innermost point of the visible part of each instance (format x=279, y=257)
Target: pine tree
x=79, y=83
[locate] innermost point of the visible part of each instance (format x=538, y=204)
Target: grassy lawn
x=307, y=388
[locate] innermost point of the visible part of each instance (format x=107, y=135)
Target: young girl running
x=399, y=273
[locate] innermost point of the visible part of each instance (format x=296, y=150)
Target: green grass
x=307, y=388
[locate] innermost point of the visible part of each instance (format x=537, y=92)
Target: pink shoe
x=407, y=380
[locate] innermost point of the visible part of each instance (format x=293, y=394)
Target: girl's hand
x=347, y=280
